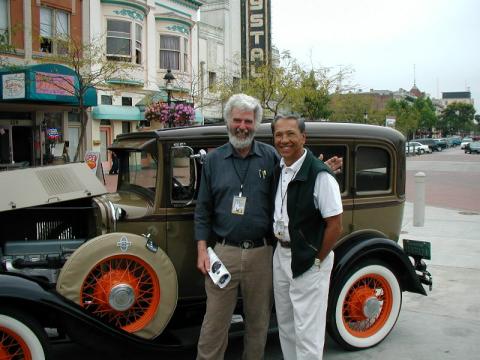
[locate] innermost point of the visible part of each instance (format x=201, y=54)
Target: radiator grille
x=55, y=229
x=59, y=181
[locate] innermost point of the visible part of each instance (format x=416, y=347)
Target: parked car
x=431, y=143
x=442, y=143
x=473, y=147
x=416, y=147
x=455, y=140
x=465, y=141
x=118, y=270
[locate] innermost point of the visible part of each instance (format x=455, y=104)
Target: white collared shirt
x=326, y=195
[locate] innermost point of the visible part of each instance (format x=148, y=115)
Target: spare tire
x=117, y=278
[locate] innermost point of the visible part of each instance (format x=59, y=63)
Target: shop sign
x=390, y=122
x=54, y=84
x=13, y=86
x=52, y=133
x=258, y=35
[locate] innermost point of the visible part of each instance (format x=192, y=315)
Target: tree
x=91, y=68
x=426, y=111
x=287, y=87
x=351, y=107
x=407, y=116
x=457, y=118
x=313, y=98
x=277, y=85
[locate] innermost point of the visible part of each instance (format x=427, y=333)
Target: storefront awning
x=117, y=112
x=50, y=83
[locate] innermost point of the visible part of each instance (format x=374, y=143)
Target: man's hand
x=203, y=261
x=335, y=163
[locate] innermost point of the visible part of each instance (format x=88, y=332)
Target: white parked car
x=465, y=141
x=414, y=146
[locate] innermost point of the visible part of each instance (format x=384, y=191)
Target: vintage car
x=118, y=270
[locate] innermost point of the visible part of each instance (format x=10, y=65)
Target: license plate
x=417, y=248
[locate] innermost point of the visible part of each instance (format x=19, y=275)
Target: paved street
x=443, y=325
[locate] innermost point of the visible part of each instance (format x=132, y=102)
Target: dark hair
x=300, y=122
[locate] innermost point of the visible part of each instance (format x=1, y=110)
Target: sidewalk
x=444, y=324
x=454, y=235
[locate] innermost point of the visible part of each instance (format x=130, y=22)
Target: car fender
x=51, y=309
x=358, y=248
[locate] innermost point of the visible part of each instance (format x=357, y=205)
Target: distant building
x=464, y=97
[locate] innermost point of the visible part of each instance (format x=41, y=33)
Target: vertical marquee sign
x=256, y=44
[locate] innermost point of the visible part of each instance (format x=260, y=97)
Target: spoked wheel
x=21, y=337
x=365, y=306
x=123, y=290
x=117, y=278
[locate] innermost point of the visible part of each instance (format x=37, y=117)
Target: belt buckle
x=246, y=244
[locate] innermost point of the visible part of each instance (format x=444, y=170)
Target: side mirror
x=202, y=154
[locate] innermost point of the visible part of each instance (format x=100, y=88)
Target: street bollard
x=419, y=205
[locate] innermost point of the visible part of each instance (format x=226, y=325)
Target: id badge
x=238, y=205
x=280, y=228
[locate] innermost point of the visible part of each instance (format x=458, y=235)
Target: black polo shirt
x=222, y=176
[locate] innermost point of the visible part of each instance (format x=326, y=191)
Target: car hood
x=134, y=205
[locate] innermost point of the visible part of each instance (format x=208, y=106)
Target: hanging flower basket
x=179, y=114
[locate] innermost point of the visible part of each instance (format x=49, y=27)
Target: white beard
x=238, y=143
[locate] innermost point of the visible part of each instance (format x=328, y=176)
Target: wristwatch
x=317, y=262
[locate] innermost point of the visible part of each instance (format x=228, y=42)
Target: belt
x=283, y=243
x=245, y=244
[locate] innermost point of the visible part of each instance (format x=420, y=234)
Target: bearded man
x=234, y=208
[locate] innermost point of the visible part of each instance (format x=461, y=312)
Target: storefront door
x=5, y=148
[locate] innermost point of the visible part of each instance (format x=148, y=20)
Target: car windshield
x=467, y=139
x=139, y=166
x=142, y=169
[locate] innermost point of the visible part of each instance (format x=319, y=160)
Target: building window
x=4, y=22
x=212, y=79
x=236, y=82
x=169, y=52
x=126, y=128
x=372, y=170
x=54, y=27
x=122, y=37
x=119, y=38
x=185, y=55
x=138, y=44
x=106, y=100
x=126, y=101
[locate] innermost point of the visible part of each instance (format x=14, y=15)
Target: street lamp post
x=169, y=87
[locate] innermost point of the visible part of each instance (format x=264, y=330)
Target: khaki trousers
x=251, y=272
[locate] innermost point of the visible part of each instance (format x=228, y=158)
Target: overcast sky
x=383, y=39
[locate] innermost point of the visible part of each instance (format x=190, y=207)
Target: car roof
x=313, y=129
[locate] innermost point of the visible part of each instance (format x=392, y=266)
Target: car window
x=333, y=150
x=372, y=169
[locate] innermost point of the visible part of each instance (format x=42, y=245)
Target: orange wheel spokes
x=12, y=346
x=370, y=289
x=122, y=277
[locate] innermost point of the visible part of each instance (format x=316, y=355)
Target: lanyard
x=282, y=195
x=242, y=180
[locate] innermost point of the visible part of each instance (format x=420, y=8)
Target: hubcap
x=371, y=307
x=122, y=297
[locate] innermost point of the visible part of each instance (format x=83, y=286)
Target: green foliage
x=313, y=97
x=426, y=111
x=288, y=87
x=457, y=118
x=407, y=116
x=351, y=107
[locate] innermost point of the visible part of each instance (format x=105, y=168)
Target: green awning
x=49, y=83
x=117, y=112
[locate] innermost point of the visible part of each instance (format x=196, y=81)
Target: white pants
x=301, y=306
